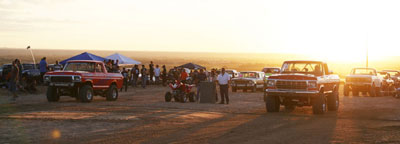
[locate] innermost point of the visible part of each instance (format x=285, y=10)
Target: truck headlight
x=46, y=78
x=312, y=84
x=76, y=78
x=271, y=83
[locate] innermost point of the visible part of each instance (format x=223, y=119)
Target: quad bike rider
x=181, y=92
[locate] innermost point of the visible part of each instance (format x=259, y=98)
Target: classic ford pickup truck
x=252, y=80
x=303, y=83
x=83, y=79
x=365, y=80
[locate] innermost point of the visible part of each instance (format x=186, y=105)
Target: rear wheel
x=112, y=93
x=182, y=98
x=254, y=89
x=52, y=94
x=168, y=96
x=86, y=93
x=333, y=101
x=272, y=104
x=319, y=104
x=346, y=90
x=191, y=97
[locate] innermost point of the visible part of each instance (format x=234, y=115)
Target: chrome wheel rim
x=114, y=93
x=89, y=95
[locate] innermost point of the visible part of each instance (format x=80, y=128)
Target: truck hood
x=67, y=73
x=293, y=77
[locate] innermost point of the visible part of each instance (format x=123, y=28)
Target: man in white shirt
x=157, y=73
x=223, y=81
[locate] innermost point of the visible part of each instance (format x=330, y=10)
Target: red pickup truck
x=83, y=79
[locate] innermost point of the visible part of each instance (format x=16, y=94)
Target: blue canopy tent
x=83, y=56
x=123, y=60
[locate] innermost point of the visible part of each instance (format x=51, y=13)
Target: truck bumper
x=272, y=92
x=62, y=84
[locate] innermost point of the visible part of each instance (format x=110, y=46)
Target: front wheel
x=272, y=104
x=112, y=93
x=52, y=94
x=378, y=91
x=372, y=92
x=168, y=96
x=346, y=90
x=319, y=104
x=254, y=89
x=86, y=93
x=333, y=101
x=191, y=97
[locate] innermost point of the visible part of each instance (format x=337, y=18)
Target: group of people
x=153, y=74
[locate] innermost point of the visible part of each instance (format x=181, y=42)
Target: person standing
x=183, y=76
x=42, y=68
x=223, y=81
x=57, y=66
x=151, y=72
x=12, y=80
x=164, y=75
x=144, y=76
x=157, y=73
x=135, y=75
x=125, y=74
x=115, y=67
x=201, y=76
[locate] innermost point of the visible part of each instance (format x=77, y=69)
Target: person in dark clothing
x=151, y=70
x=125, y=74
x=135, y=75
x=43, y=68
x=115, y=67
x=12, y=81
x=201, y=76
x=164, y=75
x=144, y=76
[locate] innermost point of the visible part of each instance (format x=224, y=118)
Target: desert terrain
x=142, y=116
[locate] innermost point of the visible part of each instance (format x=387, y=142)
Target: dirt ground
x=142, y=116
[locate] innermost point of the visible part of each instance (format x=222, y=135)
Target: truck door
x=100, y=80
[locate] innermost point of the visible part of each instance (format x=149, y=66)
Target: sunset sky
x=340, y=27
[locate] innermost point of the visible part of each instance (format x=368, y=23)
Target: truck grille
x=359, y=79
x=291, y=85
x=61, y=79
x=241, y=82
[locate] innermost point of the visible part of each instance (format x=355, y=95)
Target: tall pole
x=33, y=57
x=367, y=50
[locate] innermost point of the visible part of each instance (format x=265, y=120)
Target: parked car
x=31, y=70
x=395, y=75
x=268, y=72
x=365, y=80
x=303, y=83
x=83, y=79
x=388, y=84
x=252, y=80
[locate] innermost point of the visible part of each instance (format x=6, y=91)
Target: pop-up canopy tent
x=191, y=66
x=83, y=56
x=122, y=60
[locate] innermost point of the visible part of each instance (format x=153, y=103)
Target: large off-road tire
x=372, y=91
x=86, y=93
x=112, y=93
x=191, y=97
x=168, y=96
x=319, y=104
x=52, y=94
x=355, y=91
x=182, y=98
x=346, y=90
x=234, y=89
x=333, y=101
x=378, y=91
x=272, y=104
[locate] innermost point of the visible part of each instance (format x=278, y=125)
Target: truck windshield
x=364, y=71
x=248, y=74
x=27, y=66
x=302, y=67
x=89, y=67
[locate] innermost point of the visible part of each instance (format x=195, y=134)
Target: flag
x=28, y=47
